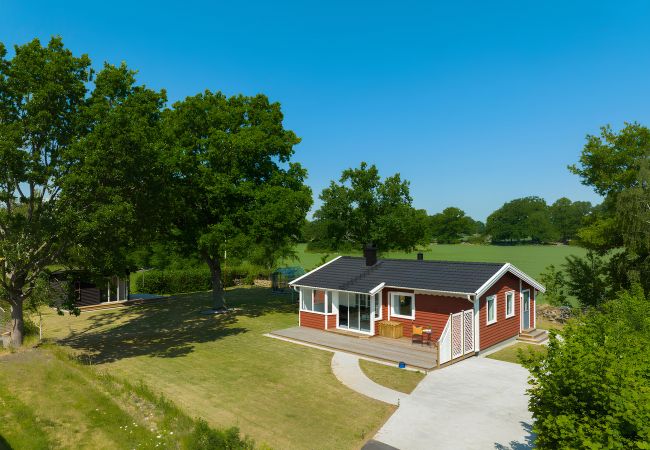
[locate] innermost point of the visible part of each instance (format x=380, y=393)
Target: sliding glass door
x=355, y=311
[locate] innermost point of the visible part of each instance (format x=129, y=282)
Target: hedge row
x=192, y=280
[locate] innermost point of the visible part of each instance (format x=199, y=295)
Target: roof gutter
x=328, y=289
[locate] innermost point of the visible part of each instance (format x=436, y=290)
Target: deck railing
x=457, y=338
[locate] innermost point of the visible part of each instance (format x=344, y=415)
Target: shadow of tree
x=4, y=445
x=169, y=328
x=528, y=444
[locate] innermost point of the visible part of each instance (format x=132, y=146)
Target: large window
x=510, y=304
x=402, y=305
x=314, y=300
x=491, y=309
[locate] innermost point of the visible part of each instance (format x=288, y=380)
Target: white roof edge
x=329, y=289
x=507, y=267
x=377, y=288
x=434, y=291
x=292, y=282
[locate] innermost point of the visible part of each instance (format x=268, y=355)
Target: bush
x=592, y=388
x=205, y=438
x=169, y=282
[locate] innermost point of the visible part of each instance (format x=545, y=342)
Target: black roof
x=350, y=273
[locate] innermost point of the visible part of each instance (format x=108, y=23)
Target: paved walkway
x=474, y=404
x=346, y=368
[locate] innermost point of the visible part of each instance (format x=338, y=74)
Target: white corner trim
x=377, y=288
x=507, y=267
x=292, y=282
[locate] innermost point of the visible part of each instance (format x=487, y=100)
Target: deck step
x=533, y=336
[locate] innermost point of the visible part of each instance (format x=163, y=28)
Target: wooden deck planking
x=378, y=348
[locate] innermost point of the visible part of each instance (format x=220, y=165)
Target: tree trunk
x=17, y=322
x=218, y=300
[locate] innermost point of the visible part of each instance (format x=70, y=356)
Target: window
x=377, y=300
x=402, y=305
x=319, y=300
x=314, y=300
x=491, y=309
x=510, y=304
x=306, y=297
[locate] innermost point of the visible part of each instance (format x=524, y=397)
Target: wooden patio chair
x=416, y=335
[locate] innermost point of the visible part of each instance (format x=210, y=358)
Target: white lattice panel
x=456, y=335
x=468, y=331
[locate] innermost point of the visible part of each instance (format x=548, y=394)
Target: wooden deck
x=381, y=348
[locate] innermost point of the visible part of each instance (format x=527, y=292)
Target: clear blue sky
x=476, y=103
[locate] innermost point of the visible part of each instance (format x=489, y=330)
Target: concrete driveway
x=478, y=403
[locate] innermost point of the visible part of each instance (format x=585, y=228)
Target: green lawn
x=392, y=377
x=532, y=259
x=511, y=353
x=223, y=369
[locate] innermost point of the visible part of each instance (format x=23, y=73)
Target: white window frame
x=312, y=290
x=377, y=300
x=487, y=309
x=392, y=295
x=512, y=314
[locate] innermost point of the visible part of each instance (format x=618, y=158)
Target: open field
x=223, y=369
x=511, y=353
x=532, y=259
x=401, y=380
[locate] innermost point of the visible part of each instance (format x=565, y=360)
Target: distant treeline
x=362, y=208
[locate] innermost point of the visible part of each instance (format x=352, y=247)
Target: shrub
x=169, y=282
x=555, y=284
x=592, y=388
x=205, y=438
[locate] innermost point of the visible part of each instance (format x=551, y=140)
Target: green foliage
x=170, y=282
x=205, y=438
x=232, y=159
x=81, y=176
x=449, y=226
x=586, y=278
x=522, y=219
x=592, y=388
x=555, y=284
x=567, y=217
x=617, y=166
x=362, y=208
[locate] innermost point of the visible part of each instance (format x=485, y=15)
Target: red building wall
x=312, y=320
x=430, y=311
x=504, y=328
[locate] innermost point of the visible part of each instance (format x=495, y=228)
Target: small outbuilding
x=281, y=277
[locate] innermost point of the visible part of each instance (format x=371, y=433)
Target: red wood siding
x=331, y=321
x=430, y=311
x=312, y=320
x=503, y=328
